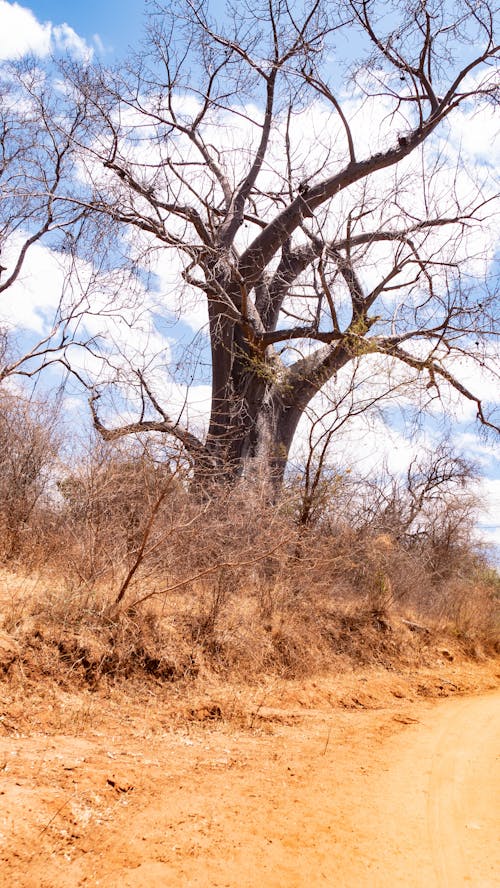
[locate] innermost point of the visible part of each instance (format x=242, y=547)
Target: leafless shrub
x=155, y=580
x=109, y=501
x=29, y=445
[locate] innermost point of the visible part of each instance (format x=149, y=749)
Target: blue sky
x=117, y=22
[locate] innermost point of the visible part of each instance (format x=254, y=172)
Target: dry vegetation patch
x=79, y=641
x=117, y=566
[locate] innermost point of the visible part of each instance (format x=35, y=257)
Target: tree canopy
x=295, y=176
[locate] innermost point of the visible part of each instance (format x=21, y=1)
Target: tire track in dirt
x=430, y=819
x=464, y=789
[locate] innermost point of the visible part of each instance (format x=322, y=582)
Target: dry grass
x=128, y=573
x=232, y=626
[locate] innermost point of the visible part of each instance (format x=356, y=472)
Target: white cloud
x=31, y=301
x=115, y=310
x=21, y=34
x=366, y=444
x=485, y=453
x=189, y=405
x=490, y=496
x=488, y=529
x=99, y=44
x=490, y=536
x=66, y=40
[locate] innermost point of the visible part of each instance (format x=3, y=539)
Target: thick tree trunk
x=257, y=404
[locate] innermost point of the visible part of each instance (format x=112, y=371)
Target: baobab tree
x=298, y=165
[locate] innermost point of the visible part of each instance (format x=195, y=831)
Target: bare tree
x=354, y=397
x=42, y=213
x=438, y=483
x=320, y=228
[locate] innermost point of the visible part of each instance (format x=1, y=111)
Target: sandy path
x=404, y=794
x=464, y=795
x=438, y=804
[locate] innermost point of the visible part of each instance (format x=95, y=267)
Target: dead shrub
x=78, y=639
x=29, y=446
x=158, y=582
x=108, y=500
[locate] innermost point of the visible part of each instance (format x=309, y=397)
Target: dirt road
x=378, y=793
x=435, y=813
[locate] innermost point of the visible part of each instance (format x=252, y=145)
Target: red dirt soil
x=365, y=779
